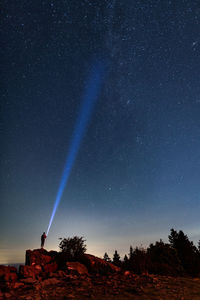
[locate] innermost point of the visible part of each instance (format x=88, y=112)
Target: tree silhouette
x=163, y=259
x=116, y=259
x=106, y=257
x=125, y=258
x=187, y=252
x=73, y=248
x=131, y=253
x=125, y=264
x=137, y=260
x=199, y=246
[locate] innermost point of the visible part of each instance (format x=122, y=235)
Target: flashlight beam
x=88, y=102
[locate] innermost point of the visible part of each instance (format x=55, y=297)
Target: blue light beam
x=88, y=102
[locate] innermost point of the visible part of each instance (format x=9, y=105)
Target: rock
x=17, y=285
x=127, y=273
x=12, y=277
x=29, y=271
x=51, y=262
x=8, y=274
x=7, y=295
x=76, y=268
x=38, y=268
x=53, y=253
x=28, y=280
x=7, y=268
x=39, y=257
x=96, y=265
x=51, y=268
x=50, y=281
x=61, y=273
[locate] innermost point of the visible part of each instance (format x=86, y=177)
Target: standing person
x=43, y=237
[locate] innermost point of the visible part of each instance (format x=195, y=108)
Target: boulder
x=28, y=281
x=17, y=285
x=52, y=261
x=38, y=269
x=96, y=265
x=39, y=257
x=51, y=268
x=8, y=274
x=7, y=296
x=30, y=271
x=50, y=281
x=129, y=274
x=76, y=268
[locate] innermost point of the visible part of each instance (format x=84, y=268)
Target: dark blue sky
x=138, y=167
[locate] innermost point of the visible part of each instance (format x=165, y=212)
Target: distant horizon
x=110, y=252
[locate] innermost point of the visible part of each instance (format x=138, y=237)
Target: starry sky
x=137, y=171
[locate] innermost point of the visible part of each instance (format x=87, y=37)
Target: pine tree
x=186, y=250
x=126, y=262
x=131, y=253
x=106, y=257
x=199, y=246
x=116, y=259
x=125, y=258
x=163, y=259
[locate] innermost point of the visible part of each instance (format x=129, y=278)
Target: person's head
x=43, y=232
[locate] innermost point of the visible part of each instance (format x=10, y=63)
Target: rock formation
x=48, y=268
x=48, y=275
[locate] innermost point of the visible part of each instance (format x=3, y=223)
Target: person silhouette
x=43, y=237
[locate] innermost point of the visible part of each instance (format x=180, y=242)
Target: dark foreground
x=115, y=286
x=49, y=275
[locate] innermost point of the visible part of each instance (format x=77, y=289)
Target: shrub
x=73, y=248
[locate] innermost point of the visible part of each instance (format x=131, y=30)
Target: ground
x=117, y=286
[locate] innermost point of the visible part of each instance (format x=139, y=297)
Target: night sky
x=137, y=171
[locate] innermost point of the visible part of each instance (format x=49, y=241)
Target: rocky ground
x=44, y=278
x=110, y=287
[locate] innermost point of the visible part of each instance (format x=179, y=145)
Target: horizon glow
x=89, y=100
